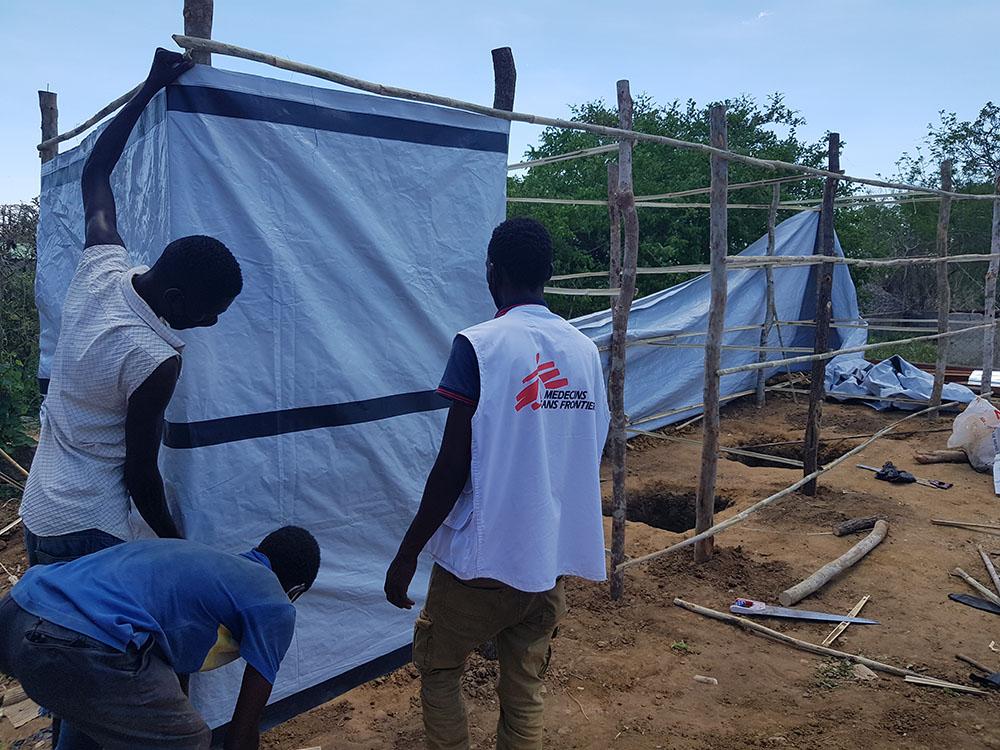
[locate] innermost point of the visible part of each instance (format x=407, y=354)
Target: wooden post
x=824, y=284
x=943, y=288
x=198, y=22
x=990, y=298
x=770, y=314
x=50, y=123
x=718, y=242
x=620, y=313
x=504, y=79
x=614, y=219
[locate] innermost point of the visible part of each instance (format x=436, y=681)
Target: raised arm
x=98, y=201
x=444, y=485
x=143, y=430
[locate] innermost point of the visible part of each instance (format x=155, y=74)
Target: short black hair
x=294, y=556
x=201, y=267
x=523, y=249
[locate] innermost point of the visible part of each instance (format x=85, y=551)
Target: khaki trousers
x=458, y=617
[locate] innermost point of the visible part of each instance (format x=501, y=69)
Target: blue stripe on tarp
x=270, y=423
x=304, y=700
x=204, y=100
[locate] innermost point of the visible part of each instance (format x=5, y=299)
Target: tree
x=18, y=321
x=667, y=236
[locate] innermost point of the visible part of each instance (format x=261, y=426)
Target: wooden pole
x=990, y=299
x=620, y=314
x=832, y=569
x=717, y=247
x=198, y=23
x=775, y=635
x=504, y=79
x=824, y=284
x=614, y=218
x=989, y=568
x=770, y=314
x=985, y=592
x=50, y=124
x=221, y=48
x=943, y=287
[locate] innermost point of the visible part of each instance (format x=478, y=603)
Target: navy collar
x=508, y=308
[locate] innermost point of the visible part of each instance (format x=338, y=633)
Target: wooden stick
x=198, y=23
x=722, y=449
x=973, y=524
x=504, y=79
x=620, y=315
x=20, y=469
x=47, y=103
x=579, y=154
x=943, y=287
x=732, y=186
x=972, y=662
x=990, y=299
x=987, y=594
x=220, y=48
x=647, y=204
x=760, y=505
x=847, y=350
x=854, y=525
x=717, y=245
x=12, y=525
x=989, y=568
x=835, y=633
x=824, y=312
x=89, y=123
x=831, y=570
x=742, y=263
x=614, y=218
x=756, y=627
x=770, y=310
x=933, y=682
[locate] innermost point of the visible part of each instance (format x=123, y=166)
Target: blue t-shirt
x=184, y=595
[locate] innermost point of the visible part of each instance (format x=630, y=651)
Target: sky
x=877, y=72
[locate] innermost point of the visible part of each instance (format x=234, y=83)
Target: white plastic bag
x=973, y=431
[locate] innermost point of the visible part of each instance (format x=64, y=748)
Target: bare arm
x=244, y=730
x=100, y=213
x=143, y=431
x=444, y=485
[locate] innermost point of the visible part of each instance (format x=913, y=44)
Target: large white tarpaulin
x=361, y=225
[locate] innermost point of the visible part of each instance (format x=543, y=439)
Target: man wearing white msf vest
x=513, y=502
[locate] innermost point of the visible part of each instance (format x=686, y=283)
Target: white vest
x=531, y=510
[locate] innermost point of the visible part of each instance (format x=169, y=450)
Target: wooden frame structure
x=622, y=206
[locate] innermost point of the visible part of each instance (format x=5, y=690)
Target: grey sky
x=876, y=71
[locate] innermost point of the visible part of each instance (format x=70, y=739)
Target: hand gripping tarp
x=361, y=225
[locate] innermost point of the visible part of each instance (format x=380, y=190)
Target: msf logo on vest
x=547, y=389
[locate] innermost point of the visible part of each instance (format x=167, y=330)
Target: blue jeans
x=44, y=550
x=108, y=698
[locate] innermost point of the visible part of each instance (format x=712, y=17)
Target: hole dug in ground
x=658, y=506
x=776, y=445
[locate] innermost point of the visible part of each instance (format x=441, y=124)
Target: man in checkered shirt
x=116, y=364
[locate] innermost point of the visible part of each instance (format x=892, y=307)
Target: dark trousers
x=44, y=550
x=109, y=699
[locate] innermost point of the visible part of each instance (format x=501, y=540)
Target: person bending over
x=116, y=364
x=524, y=437
x=101, y=640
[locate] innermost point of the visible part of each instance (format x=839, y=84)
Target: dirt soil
x=622, y=674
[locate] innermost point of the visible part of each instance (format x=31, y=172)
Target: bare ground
x=622, y=673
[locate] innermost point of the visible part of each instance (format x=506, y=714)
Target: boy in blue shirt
x=100, y=641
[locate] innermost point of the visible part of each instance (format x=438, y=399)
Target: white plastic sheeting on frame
x=361, y=225
x=664, y=376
